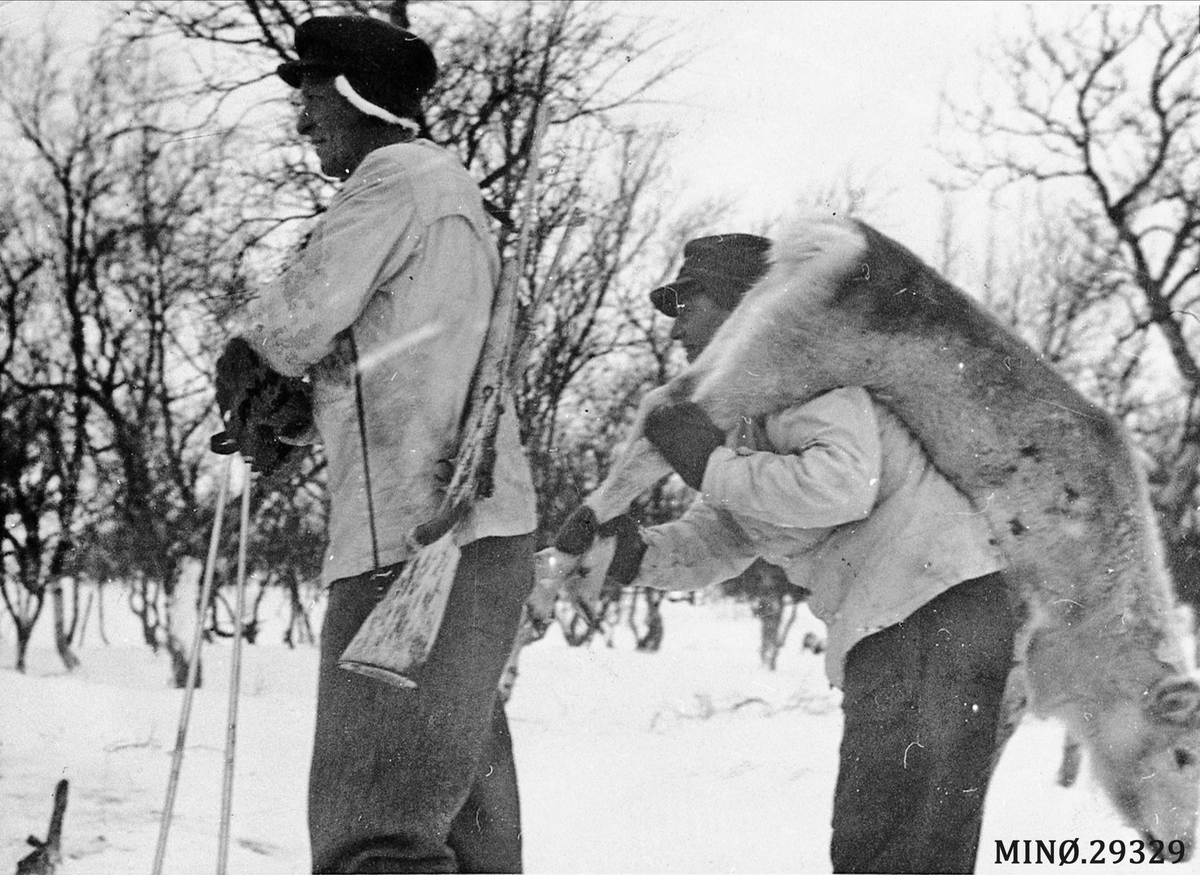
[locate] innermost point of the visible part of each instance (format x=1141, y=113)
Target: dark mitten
x=630, y=548
x=685, y=437
x=283, y=404
x=238, y=369
x=280, y=408
x=578, y=533
x=258, y=406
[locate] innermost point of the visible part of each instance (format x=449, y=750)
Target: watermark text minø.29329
x=1066, y=852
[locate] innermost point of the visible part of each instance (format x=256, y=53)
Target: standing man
x=384, y=313
x=840, y=495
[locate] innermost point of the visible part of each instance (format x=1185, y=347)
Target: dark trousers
x=922, y=704
x=422, y=780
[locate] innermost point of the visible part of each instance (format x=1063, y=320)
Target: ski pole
x=193, y=666
x=235, y=679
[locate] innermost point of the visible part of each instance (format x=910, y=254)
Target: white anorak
x=839, y=494
x=396, y=283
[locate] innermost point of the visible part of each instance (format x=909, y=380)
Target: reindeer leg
x=637, y=469
x=1068, y=771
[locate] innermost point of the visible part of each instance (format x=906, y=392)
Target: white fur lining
x=344, y=88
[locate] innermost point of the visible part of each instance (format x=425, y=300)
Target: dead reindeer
x=1072, y=758
x=1052, y=473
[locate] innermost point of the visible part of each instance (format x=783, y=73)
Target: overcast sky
x=785, y=96
x=786, y=92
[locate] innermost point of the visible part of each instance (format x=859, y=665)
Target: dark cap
x=386, y=65
x=722, y=267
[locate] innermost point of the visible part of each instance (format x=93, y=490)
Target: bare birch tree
x=113, y=245
x=1102, y=116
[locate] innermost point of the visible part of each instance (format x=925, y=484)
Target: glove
x=685, y=437
x=630, y=548
x=578, y=533
x=238, y=369
x=259, y=406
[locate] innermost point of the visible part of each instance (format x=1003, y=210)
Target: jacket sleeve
x=701, y=548
x=824, y=470
x=367, y=230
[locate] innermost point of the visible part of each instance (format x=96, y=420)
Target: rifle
x=400, y=631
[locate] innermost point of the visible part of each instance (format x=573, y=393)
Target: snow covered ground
x=694, y=759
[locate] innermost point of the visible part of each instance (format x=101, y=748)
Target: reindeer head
x=1148, y=760
x=577, y=580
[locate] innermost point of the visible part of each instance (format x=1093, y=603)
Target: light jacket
x=839, y=494
x=395, y=285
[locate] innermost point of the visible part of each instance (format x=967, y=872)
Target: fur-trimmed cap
x=722, y=267
x=387, y=68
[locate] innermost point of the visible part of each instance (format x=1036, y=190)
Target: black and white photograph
x=599, y=436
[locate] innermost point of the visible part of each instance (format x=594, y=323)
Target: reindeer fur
x=844, y=305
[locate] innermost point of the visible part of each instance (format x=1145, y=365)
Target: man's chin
x=332, y=168
x=334, y=173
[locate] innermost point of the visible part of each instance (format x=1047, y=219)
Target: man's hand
x=685, y=437
x=578, y=533
x=259, y=406
x=239, y=369
x=602, y=560
x=627, y=556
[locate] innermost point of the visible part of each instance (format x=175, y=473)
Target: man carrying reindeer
x=385, y=314
x=1097, y=644
x=839, y=494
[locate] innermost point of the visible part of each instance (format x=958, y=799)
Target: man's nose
x=303, y=123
